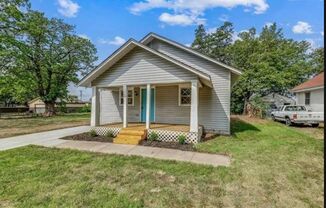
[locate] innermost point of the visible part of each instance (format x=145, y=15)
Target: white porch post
x=148, y=105
x=95, y=107
x=194, y=106
x=125, y=105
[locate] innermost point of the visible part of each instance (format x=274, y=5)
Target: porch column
x=125, y=105
x=148, y=105
x=194, y=107
x=95, y=107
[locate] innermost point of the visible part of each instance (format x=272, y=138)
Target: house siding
x=316, y=99
x=112, y=112
x=167, y=109
x=142, y=67
x=167, y=105
x=214, y=103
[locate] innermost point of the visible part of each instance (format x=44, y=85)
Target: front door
x=143, y=105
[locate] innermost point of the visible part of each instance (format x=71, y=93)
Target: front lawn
x=272, y=166
x=18, y=126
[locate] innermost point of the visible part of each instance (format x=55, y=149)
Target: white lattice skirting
x=172, y=136
x=104, y=130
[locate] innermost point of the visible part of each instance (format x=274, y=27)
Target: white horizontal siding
x=112, y=112
x=316, y=100
x=142, y=67
x=214, y=104
x=167, y=106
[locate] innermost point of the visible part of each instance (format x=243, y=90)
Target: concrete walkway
x=47, y=138
x=51, y=139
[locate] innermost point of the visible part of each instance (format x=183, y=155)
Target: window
x=184, y=96
x=130, y=97
x=307, y=98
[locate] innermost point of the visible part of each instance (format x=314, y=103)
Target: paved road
x=51, y=139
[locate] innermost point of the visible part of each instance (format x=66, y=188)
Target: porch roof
x=125, y=49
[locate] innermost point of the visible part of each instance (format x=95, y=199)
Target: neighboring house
x=37, y=105
x=311, y=93
x=157, y=80
x=274, y=100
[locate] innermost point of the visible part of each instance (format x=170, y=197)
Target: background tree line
x=270, y=61
x=39, y=56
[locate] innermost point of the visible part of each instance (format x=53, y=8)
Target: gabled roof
x=126, y=48
x=148, y=38
x=314, y=83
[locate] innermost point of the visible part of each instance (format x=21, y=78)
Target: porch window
x=184, y=96
x=131, y=95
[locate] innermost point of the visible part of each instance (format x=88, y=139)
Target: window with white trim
x=184, y=96
x=307, y=98
x=130, y=99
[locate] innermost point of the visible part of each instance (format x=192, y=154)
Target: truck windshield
x=295, y=108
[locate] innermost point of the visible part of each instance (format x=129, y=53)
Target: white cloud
x=302, y=28
x=116, y=41
x=224, y=18
x=84, y=36
x=312, y=42
x=180, y=19
x=322, y=33
x=195, y=6
x=268, y=24
x=211, y=30
x=191, y=11
x=68, y=8
x=188, y=44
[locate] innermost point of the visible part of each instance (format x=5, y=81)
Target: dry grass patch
x=13, y=127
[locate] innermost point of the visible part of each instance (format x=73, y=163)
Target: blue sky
x=109, y=23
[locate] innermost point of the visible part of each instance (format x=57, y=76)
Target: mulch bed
x=171, y=145
x=87, y=137
x=99, y=138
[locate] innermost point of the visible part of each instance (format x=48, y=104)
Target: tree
x=48, y=54
x=199, y=43
x=269, y=61
x=317, y=59
x=214, y=44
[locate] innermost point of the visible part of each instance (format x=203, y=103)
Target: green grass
x=18, y=126
x=272, y=166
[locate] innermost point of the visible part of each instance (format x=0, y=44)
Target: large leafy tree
x=214, y=44
x=47, y=54
x=270, y=62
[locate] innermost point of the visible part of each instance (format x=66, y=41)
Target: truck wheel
x=315, y=125
x=288, y=122
x=273, y=118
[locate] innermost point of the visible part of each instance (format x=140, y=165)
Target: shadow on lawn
x=239, y=125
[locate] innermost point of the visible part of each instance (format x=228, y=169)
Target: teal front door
x=143, y=105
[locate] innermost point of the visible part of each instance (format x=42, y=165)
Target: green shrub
x=153, y=136
x=85, y=109
x=92, y=133
x=109, y=134
x=182, y=139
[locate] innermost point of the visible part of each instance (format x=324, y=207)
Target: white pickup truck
x=297, y=114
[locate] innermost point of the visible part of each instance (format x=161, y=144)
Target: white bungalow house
x=311, y=93
x=158, y=85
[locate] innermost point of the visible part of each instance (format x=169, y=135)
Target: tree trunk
x=244, y=112
x=49, y=109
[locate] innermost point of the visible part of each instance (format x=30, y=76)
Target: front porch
x=165, y=132
x=154, y=126
x=167, y=109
